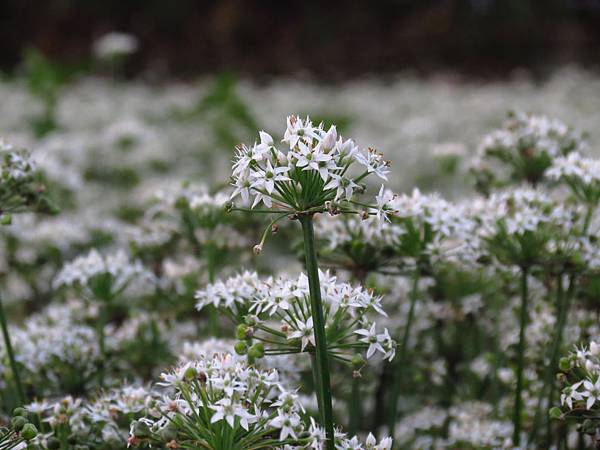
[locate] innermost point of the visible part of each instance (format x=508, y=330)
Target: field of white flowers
x=372, y=265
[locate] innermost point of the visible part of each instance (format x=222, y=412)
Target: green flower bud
x=241, y=348
x=29, y=431
x=251, y=320
x=241, y=331
x=18, y=422
x=358, y=361
x=20, y=412
x=190, y=373
x=257, y=351
x=564, y=364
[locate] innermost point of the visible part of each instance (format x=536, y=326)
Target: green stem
x=517, y=419
x=213, y=313
x=401, y=359
x=102, y=320
x=355, y=407
x=565, y=315
x=321, y=360
x=554, y=350
x=11, y=357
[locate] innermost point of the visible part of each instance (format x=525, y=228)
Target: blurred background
x=183, y=82
x=330, y=40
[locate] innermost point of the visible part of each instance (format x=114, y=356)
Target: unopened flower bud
x=20, y=412
x=257, y=351
x=274, y=229
x=18, y=422
x=190, y=373
x=241, y=347
x=29, y=431
x=5, y=219
x=251, y=320
x=564, y=364
x=358, y=360
x=242, y=332
x=257, y=249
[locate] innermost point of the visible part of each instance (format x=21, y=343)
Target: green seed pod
x=241, y=348
x=29, y=431
x=18, y=422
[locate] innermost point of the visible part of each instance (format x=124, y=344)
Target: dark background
x=327, y=39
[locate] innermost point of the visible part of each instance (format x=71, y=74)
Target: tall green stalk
x=211, y=264
x=11, y=357
x=398, y=369
x=355, y=407
x=100, y=326
x=517, y=415
x=321, y=360
x=562, y=308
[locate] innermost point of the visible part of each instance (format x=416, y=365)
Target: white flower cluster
x=581, y=174
x=221, y=389
x=118, y=265
x=315, y=169
x=259, y=302
x=472, y=426
x=101, y=421
x=197, y=196
x=574, y=165
x=17, y=164
x=521, y=210
x=221, y=399
x=583, y=388
x=531, y=135
x=56, y=352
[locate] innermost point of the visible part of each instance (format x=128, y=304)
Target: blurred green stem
x=321, y=360
x=101, y=325
x=398, y=369
x=517, y=414
x=11, y=356
x=211, y=264
x=355, y=409
x=562, y=309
